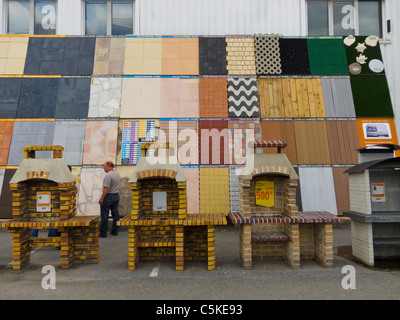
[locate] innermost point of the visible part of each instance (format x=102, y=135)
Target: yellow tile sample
x=214, y=190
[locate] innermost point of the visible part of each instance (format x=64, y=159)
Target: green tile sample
x=327, y=56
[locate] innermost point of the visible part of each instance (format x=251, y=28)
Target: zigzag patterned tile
x=243, y=97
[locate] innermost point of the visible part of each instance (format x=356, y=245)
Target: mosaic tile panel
x=27, y=133
x=267, y=55
x=10, y=89
x=13, y=54
x=90, y=189
x=212, y=56
x=109, y=56
x=213, y=97
x=243, y=99
x=100, y=142
x=39, y=97
x=105, y=97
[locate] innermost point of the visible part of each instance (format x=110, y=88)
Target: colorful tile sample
x=90, y=190
x=192, y=189
x=243, y=97
x=133, y=133
x=214, y=190
x=212, y=56
x=180, y=56
x=100, y=142
x=370, y=92
x=70, y=134
x=240, y=57
x=105, y=97
x=338, y=97
x=27, y=133
x=6, y=132
x=140, y=97
x=291, y=98
x=294, y=56
x=10, y=89
x=327, y=57
x=39, y=98
x=179, y=98
x=213, y=141
x=364, y=55
x=73, y=98
x=267, y=55
x=213, y=97
x=241, y=132
x=143, y=56
x=69, y=56
x=13, y=54
x=109, y=56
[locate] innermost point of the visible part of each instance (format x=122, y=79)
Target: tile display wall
x=101, y=97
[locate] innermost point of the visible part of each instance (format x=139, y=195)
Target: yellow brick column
x=245, y=246
x=67, y=248
x=292, y=247
x=21, y=247
x=180, y=248
x=323, y=237
x=211, y=247
x=133, y=254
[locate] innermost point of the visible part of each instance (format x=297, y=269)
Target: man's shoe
x=102, y=236
x=114, y=233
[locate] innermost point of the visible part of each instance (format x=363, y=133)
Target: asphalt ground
x=156, y=281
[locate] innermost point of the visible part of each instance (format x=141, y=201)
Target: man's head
x=108, y=166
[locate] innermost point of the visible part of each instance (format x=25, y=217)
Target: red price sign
x=265, y=193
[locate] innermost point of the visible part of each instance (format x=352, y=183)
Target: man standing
x=109, y=200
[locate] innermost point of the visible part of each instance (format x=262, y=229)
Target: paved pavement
x=268, y=280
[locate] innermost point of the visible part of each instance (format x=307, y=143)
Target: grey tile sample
x=9, y=95
x=6, y=194
x=30, y=133
x=60, y=56
x=70, y=134
x=73, y=99
x=338, y=97
x=38, y=98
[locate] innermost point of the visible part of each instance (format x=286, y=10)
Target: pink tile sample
x=100, y=142
x=193, y=189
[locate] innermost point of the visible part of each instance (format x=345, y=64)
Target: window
x=31, y=17
x=356, y=17
x=108, y=17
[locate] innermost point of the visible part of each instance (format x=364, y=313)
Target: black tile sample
x=294, y=56
x=9, y=95
x=38, y=98
x=60, y=56
x=73, y=98
x=212, y=56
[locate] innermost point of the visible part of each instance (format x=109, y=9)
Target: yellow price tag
x=265, y=193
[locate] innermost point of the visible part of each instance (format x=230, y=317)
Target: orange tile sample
x=213, y=97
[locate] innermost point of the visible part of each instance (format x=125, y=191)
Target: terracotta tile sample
x=179, y=98
x=214, y=190
x=213, y=97
x=140, y=97
x=105, y=97
x=192, y=189
x=109, y=56
x=342, y=192
x=213, y=142
x=180, y=56
x=6, y=131
x=100, y=142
